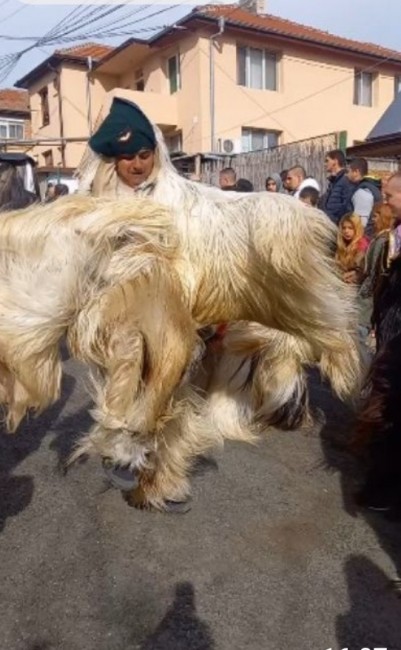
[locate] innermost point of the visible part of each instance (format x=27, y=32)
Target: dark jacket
x=337, y=197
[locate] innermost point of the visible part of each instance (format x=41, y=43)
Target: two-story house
x=15, y=119
x=60, y=93
x=225, y=79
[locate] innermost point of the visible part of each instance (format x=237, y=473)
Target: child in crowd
x=309, y=196
x=351, y=248
x=274, y=183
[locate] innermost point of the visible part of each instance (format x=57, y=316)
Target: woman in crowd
x=351, y=249
x=274, y=183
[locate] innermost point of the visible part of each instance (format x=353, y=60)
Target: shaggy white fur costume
x=130, y=283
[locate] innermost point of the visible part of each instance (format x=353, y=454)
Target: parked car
x=19, y=185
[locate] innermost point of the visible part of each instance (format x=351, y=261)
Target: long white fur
x=129, y=282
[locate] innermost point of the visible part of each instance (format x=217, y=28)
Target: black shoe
x=121, y=478
x=379, y=501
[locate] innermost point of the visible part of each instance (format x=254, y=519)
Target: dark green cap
x=124, y=132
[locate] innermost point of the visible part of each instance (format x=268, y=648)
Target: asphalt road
x=272, y=555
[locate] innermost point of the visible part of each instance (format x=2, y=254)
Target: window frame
x=44, y=105
x=170, y=138
x=176, y=58
x=7, y=122
x=248, y=132
x=359, y=89
x=48, y=158
x=267, y=54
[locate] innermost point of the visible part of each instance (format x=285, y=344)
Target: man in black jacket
x=336, y=199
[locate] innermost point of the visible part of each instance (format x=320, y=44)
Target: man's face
x=134, y=170
x=226, y=180
x=393, y=195
x=293, y=181
x=354, y=175
x=330, y=165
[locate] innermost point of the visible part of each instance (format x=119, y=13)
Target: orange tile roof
x=235, y=15
x=14, y=100
x=95, y=50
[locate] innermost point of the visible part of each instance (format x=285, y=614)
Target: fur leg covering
x=258, y=377
x=52, y=259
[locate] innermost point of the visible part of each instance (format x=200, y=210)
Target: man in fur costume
x=128, y=156
x=131, y=283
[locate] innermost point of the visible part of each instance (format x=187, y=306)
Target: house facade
x=15, y=119
x=61, y=91
x=224, y=79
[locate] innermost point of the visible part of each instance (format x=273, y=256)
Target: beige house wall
x=76, y=109
x=51, y=130
x=314, y=94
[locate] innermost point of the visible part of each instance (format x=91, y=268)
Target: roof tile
x=95, y=50
x=272, y=24
x=12, y=99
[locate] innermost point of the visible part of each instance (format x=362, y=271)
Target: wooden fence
x=257, y=165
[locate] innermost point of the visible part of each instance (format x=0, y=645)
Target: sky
x=363, y=20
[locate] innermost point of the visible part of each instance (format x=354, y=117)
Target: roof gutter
x=212, y=40
x=297, y=39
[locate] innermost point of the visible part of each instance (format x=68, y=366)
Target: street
x=272, y=555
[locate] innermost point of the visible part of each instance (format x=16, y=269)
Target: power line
x=14, y=13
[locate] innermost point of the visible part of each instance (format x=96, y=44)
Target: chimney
x=253, y=6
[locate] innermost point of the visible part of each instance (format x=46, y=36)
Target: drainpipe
x=212, y=84
x=60, y=112
x=88, y=93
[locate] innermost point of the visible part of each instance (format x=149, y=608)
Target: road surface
x=272, y=555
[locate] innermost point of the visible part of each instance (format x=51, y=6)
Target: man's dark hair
x=360, y=164
x=310, y=193
x=61, y=189
x=299, y=170
x=338, y=155
x=243, y=185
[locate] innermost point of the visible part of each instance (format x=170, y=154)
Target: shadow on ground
x=16, y=491
x=181, y=629
x=359, y=627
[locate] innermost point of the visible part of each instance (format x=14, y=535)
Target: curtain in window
x=366, y=89
x=16, y=131
x=241, y=66
x=173, y=74
x=363, y=82
x=255, y=68
x=270, y=71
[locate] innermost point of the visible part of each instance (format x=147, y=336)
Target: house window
x=397, y=85
x=174, y=142
x=363, y=85
x=48, y=158
x=254, y=139
x=174, y=77
x=256, y=68
x=44, y=105
x=10, y=130
x=139, y=83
